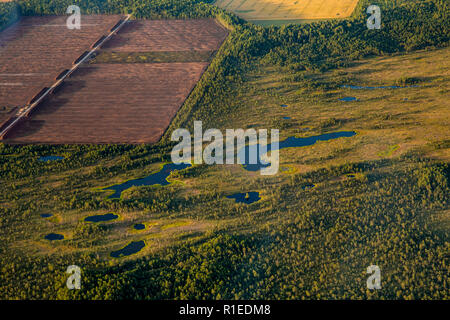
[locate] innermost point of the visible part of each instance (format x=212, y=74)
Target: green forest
x=294, y=243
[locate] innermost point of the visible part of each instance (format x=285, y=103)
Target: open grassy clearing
x=288, y=11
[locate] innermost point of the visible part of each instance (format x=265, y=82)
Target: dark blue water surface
x=286, y=118
x=290, y=142
x=130, y=249
x=153, y=179
x=102, y=217
x=46, y=215
x=379, y=87
x=308, y=186
x=284, y=105
x=348, y=99
x=139, y=226
x=246, y=198
x=51, y=158
x=54, y=236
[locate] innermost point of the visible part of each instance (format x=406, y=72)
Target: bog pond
x=291, y=142
x=102, y=217
x=131, y=248
x=308, y=186
x=347, y=99
x=54, y=236
x=158, y=178
x=50, y=158
x=139, y=226
x=378, y=87
x=247, y=198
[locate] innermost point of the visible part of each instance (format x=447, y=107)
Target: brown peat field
x=118, y=97
x=35, y=50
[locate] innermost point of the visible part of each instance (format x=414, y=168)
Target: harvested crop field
x=112, y=103
x=289, y=9
x=35, y=50
x=131, y=92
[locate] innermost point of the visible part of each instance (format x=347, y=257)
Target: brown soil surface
x=112, y=103
x=6, y=113
x=35, y=50
x=102, y=102
x=168, y=35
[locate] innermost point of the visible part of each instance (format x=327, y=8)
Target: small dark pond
x=159, y=177
x=308, y=186
x=46, y=215
x=348, y=99
x=286, y=118
x=247, y=198
x=50, y=158
x=139, y=226
x=129, y=249
x=102, y=217
x=54, y=236
x=284, y=105
x=378, y=87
